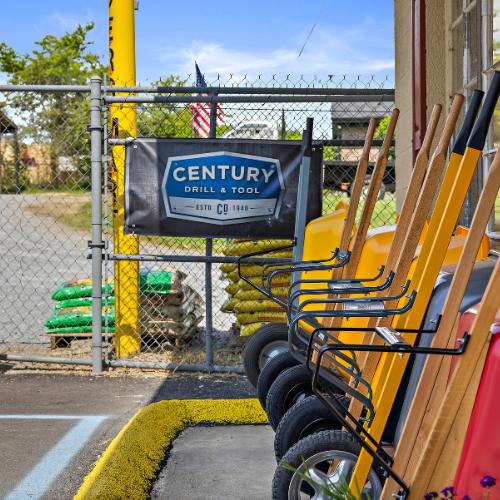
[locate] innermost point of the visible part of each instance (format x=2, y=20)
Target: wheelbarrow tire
x=316, y=450
x=291, y=386
x=268, y=375
x=272, y=334
x=303, y=419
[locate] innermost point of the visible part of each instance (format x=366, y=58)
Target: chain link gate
x=51, y=155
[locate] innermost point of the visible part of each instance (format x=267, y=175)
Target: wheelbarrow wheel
x=270, y=371
x=291, y=386
x=305, y=418
x=329, y=457
x=265, y=343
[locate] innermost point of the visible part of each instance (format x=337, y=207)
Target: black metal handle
x=306, y=268
x=480, y=130
x=341, y=300
x=344, y=291
x=470, y=118
x=344, y=281
x=403, y=349
x=379, y=313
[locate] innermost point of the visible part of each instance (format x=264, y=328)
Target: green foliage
x=58, y=119
x=292, y=135
x=168, y=119
x=8, y=174
x=61, y=61
x=331, y=153
x=380, y=134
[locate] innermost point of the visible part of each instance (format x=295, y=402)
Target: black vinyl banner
x=212, y=188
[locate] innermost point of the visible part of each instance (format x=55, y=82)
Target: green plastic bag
x=162, y=282
x=79, y=288
x=82, y=302
x=75, y=316
x=78, y=329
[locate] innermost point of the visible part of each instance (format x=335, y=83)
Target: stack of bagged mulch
x=251, y=307
x=168, y=307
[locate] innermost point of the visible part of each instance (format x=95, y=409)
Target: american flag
x=200, y=112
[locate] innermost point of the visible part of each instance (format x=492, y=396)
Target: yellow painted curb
x=130, y=463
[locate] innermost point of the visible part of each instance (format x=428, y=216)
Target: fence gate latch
x=99, y=127
x=96, y=245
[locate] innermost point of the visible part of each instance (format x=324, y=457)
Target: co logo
x=222, y=209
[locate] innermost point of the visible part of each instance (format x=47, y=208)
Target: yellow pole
x=124, y=124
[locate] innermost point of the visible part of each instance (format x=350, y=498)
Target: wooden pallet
x=63, y=340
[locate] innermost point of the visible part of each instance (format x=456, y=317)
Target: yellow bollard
x=124, y=124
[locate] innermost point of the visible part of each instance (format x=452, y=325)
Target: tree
x=58, y=119
x=380, y=134
x=167, y=119
x=172, y=120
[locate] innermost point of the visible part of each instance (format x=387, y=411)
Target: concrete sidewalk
x=219, y=463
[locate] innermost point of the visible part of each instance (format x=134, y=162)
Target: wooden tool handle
x=401, y=253
x=413, y=192
x=429, y=379
x=356, y=193
x=373, y=191
x=472, y=360
x=449, y=127
x=431, y=129
x=366, y=214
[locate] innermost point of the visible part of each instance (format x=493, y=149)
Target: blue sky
x=354, y=37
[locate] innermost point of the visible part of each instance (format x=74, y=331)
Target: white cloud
x=330, y=50
x=66, y=21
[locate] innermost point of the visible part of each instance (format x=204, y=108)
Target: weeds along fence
x=143, y=302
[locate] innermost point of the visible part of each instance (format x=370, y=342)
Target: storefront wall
x=403, y=97
x=460, y=56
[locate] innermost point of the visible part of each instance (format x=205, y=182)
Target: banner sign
x=216, y=187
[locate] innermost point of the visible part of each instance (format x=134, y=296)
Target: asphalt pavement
x=54, y=427
x=219, y=463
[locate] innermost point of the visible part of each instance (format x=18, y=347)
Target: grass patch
x=81, y=218
x=36, y=189
x=384, y=213
x=77, y=213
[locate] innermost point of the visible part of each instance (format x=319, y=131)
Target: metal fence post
x=209, y=361
x=303, y=189
x=213, y=118
x=95, y=141
x=16, y=161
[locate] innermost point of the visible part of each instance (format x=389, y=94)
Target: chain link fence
x=154, y=312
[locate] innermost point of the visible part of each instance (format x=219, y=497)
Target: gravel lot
x=38, y=253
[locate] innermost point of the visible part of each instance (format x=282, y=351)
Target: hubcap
x=296, y=394
x=319, y=467
x=271, y=350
